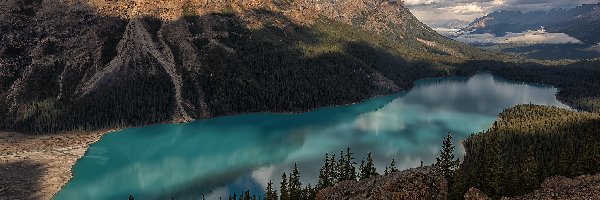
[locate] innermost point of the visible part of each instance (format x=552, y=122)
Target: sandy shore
x=37, y=166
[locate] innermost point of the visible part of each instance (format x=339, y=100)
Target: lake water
x=235, y=153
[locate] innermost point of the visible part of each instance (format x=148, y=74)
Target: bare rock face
x=418, y=183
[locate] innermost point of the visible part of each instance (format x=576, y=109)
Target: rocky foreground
x=558, y=187
x=36, y=167
x=418, y=183
x=424, y=183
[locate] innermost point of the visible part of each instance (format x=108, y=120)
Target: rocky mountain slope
x=94, y=64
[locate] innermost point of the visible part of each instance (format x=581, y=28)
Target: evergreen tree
x=346, y=169
x=342, y=172
x=325, y=174
x=271, y=194
x=368, y=170
x=333, y=170
x=445, y=162
x=283, y=188
x=530, y=171
x=361, y=169
x=351, y=170
x=393, y=166
x=294, y=184
x=310, y=193
x=247, y=195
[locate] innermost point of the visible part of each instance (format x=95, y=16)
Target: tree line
x=528, y=144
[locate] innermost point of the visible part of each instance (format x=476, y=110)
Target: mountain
x=554, y=34
x=95, y=64
x=582, y=22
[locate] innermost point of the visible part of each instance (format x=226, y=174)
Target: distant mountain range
x=582, y=22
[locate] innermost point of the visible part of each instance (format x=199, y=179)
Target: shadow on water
x=20, y=179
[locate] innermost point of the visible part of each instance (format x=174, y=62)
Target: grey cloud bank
x=435, y=13
x=527, y=37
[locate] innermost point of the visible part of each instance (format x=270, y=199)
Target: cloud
x=439, y=17
x=485, y=38
x=466, y=9
x=433, y=12
x=420, y=2
x=446, y=31
x=527, y=37
x=534, y=37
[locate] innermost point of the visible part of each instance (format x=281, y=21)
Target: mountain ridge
x=95, y=64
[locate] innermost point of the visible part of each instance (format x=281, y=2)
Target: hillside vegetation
x=578, y=84
x=106, y=64
x=526, y=145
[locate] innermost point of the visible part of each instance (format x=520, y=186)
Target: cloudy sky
x=438, y=13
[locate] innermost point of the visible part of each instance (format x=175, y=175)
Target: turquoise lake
x=223, y=155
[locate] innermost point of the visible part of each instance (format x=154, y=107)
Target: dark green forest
x=527, y=144
x=578, y=83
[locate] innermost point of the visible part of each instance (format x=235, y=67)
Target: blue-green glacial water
x=234, y=153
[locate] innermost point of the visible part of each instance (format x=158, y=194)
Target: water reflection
x=232, y=154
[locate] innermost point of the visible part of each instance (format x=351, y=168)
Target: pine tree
x=361, y=169
x=333, y=170
x=294, y=184
x=351, y=170
x=445, y=162
x=283, y=188
x=310, y=193
x=342, y=167
x=324, y=174
x=247, y=195
x=530, y=171
x=270, y=194
x=393, y=166
x=368, y=170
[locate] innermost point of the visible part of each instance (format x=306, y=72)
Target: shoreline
x=38, y=166
x=57, y=158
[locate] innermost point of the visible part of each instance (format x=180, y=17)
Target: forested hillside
x=94, y=64
x=527, y=144
x=578, y=84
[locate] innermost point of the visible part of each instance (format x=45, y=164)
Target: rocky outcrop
x=558, y=187
x=418, y=183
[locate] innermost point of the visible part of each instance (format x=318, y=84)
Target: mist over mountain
x=582, y=22
x=558, y=33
